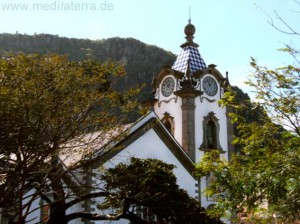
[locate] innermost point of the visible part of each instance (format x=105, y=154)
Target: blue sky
x=229, y=32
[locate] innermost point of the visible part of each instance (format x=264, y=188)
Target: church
x=186, y=120
x=185, y=123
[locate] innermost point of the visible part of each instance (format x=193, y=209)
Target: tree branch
x=125, y=214
x=291, y=32
x=90, y=216
x=85, y=197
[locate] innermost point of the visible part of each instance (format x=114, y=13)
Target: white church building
x=186, y=122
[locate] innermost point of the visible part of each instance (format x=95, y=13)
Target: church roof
x=137, y=130
x=189, y=53
x=104, y=146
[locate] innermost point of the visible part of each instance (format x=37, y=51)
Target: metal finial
x=189, y=14
x=189, y=31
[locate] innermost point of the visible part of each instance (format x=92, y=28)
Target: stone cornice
x=188, y=92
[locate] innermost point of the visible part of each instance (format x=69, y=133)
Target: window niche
x=168, y=122
x=211, y=132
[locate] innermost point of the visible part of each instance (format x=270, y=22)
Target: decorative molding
x=188, y=93
x=163, y=73
x=211, y=117
x=168, y=100
x=211, y=70
x=206, y=98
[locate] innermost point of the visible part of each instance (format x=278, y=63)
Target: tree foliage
x=149, y=186
x=278, y=90
x=47, y=101
x=262, y=179
x=140, y=60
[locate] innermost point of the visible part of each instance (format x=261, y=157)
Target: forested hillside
x=141, y=61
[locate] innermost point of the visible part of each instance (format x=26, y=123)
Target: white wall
x=204, y=105
x=151, y=146
x=35, y=209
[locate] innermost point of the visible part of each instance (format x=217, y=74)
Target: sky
x=229, y=32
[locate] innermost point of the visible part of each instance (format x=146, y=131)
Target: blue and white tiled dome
x=189, y=53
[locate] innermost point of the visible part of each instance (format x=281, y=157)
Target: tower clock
x=167, y=87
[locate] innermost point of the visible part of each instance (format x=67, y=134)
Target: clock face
x=168, y=86
x=210, y=86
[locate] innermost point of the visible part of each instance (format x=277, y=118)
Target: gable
x=150, y=140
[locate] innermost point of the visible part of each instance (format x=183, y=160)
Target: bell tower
x=187, y=96
x=186, y=100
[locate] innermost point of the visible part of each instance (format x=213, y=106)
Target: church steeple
x=188, y=62
x=186, y=100
x=189, y=54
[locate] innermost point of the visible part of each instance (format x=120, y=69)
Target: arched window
x=168, y=125
x=211, y=135
x=168, y=122
x=211, y=129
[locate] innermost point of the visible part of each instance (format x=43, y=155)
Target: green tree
x=149, y=186
x=278, y=90
x=48, y=102
x=263, y=178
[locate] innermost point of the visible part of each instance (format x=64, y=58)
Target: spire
x=189, y=14
x=189, y=55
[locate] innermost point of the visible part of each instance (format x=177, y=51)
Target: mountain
x=141, y=61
